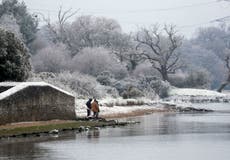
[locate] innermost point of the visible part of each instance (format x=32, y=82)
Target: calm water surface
x=157, y=137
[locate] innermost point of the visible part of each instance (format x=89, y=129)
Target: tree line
x=96, y=50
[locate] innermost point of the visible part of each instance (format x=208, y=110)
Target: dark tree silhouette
x=14, y=60
x=160, y=48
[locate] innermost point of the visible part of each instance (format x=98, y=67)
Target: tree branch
x=147, y=41
x=227, y=60
x=63, y=17
x=173, y=63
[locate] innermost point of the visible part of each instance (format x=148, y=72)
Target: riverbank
x=109, y=108
x=44, y=128
x=112, y=108
x=158, y=136
x=192, y=95
x=41, y=128
x=118, y=107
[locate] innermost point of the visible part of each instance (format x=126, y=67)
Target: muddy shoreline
x=44, y=128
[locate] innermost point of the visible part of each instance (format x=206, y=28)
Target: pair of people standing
x=92, y=106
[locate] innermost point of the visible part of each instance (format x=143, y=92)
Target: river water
x=160, y=136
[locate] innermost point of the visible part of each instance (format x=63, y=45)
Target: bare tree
x=63, y=16
x=227, y=81
x=59, y=31
x=133, y=58
x=121, y=45
x=159, y=46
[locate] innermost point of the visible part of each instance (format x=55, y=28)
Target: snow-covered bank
x=196, y=95
x=178, y=100
x=111, y=107
x=194, y=92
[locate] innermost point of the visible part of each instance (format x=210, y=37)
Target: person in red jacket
x=95, y=108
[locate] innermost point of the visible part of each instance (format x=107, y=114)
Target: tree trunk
x=164, y=74
x=224, y=84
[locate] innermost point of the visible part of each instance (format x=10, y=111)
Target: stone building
x=34, y=101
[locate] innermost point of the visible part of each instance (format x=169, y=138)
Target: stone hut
x=34, y=101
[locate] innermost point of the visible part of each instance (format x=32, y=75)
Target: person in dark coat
x=88, y=104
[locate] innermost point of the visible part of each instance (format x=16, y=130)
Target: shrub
x=104, y=78
x=154, y=83
x=145, y=69
x=160, y=87
x=194, y=79
x=53, y=58
x=124, y=84
x=131, y=92
x=94, y=61
x=178, y=80
x=81, y=85
x=198, y=79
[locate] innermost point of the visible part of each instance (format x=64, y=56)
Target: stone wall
x=37, y=103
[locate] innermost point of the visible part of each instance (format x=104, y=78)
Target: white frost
x=187, y=95
x=19, y=86
x=120, y=107
x=194, y=92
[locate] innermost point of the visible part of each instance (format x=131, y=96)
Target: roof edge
x=23, y=85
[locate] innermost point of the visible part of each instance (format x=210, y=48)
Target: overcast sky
x=131, y=14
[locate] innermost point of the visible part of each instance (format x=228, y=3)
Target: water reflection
x=160, y=124
x=21, y=150
x=158, y=136
x=94, y=134
x=27, y=148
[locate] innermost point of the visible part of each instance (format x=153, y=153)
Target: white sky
x=131, y=14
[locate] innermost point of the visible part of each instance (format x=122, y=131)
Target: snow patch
x=9, y=84
x=194, y=92
x=106, y=109
x=23, y=85
x=187, y=95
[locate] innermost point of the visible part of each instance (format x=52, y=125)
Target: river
x=159, y=136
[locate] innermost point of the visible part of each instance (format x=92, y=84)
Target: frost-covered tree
x=81, y=85
x=122, y=46
x=14, y=58
x=59, y=31
x=159, y=46
x=197, y=57
x=90, y=31
x=8, y=22
x=87, y=31
x=145, y=69
x=54, y=58
x=41, y=41
x=105, y=78
x=227, y=80
x=133, y=59
x=94, y=61
x=198, y=79
x=27, y=22
x=154, y=84
x=217, y=39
